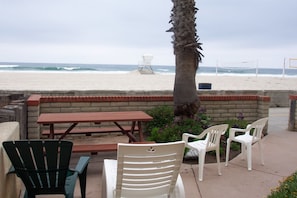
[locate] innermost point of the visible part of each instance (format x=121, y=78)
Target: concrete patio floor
x=236, y=181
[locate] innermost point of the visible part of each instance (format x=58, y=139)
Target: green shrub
x=238, y=122
x=163, y=115
x=235, y=146
x=164, y=129
x=235, y=123
x=288, y=188
x=168, y=134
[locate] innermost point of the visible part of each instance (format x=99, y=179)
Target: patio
x=236, y=181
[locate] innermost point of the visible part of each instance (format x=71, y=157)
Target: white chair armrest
x=187, y=135
x=233, y=131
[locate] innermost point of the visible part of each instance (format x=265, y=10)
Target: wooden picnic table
x=135, y=117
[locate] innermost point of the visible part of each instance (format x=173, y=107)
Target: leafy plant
x=164, y=129
x=163, y=115
x=167, y=134
x=238, y=122
x=288, y=188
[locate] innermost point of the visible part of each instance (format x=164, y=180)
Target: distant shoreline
x=248, y=69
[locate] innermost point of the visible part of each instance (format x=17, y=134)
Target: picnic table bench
x=93, y=148
x=88, y=131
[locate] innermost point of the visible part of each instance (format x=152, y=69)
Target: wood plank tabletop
x=76, y=117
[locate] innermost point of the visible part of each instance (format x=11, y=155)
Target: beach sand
x=54, y=81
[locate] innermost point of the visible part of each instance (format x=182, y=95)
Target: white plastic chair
x=252, y=134
x=144, y=170
x=210, y=143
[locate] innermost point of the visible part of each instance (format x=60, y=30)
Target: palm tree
x=187, y=57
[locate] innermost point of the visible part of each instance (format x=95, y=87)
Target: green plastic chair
x=43, y=166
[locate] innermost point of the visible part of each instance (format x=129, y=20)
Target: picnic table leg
x=132, y=132
x=132, y=138
x=68, y=130
x=141, y=139
x=51, y=135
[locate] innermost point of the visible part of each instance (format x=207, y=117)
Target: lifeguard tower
x=144, y=66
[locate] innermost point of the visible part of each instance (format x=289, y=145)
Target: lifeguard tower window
x=144, y=66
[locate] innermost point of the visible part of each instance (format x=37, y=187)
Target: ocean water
x=158, y=69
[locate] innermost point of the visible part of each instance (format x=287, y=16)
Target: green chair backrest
x=41, y=164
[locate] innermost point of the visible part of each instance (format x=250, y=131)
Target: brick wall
x=218, y=107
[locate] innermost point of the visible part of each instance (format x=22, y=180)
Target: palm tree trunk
x=187, y=58
x=186, y=101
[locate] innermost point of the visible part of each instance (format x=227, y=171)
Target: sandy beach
x=54, y=81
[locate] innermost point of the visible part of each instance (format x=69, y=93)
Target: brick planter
x=218, y=107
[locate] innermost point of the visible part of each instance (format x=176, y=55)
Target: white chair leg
x=218, y=161
x=249, y=156
x=227, y=151
x=243, y=151
x=261, y=152
x=201, y=165
x=179, y=191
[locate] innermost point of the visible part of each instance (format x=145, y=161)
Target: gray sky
x=121, y=31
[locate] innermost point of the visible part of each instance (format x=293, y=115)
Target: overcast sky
x=121, y=31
